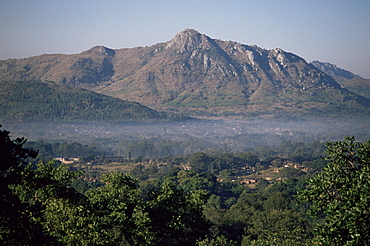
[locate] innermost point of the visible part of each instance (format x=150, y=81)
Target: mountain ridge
x=337, y=73
x=197, y=75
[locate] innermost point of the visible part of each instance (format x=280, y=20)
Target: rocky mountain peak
x=186, y=40
x=100, y=50
x=196, y=75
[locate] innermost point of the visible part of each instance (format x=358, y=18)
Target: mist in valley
x=156, y=140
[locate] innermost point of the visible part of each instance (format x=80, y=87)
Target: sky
x=335, y=31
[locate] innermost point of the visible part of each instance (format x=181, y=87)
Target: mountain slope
x=358, y=85
x=347, y=79
x=338, y=74
x=32, y=100
x=198, y=75
x=89, y=67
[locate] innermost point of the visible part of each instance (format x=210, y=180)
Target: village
x=243, y=175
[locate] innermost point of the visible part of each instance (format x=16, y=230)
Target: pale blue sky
x=337, y=31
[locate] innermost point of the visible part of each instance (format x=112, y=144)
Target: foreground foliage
x=341, y=192
x=40, y=205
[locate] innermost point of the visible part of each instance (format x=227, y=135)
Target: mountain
x=197, y=75
x=89, y=67
x=338, y=74
x=32, y=100
x=347, y=79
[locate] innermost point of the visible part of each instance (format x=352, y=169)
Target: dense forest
x=287, y=194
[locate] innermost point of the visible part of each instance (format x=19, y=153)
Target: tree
x=108, y=215
x=274, y=227
x=236, y=219
x=225, y=175
x=86, y=159
x=289, y=172
x=176, y=217
x=13, y=155
x=118, y=212
x=341, y=192
x=15, y=227
x=199, y=162
x=219, y=240
x=249, y=158
x=262, y=184
x=39, y=206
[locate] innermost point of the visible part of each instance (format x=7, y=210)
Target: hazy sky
x=336, y=31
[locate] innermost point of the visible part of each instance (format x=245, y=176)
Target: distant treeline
x=212, y=160
x=64, y=149
x=231, y=165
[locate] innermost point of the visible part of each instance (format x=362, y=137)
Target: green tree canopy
x=341, y=192
x=14, y=224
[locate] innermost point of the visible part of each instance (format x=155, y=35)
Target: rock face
x=196, y=75
x=186, y=41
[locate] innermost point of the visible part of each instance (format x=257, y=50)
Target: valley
x=193, y=141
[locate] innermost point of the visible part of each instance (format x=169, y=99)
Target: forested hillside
x=33, y=100
x=200, y=199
